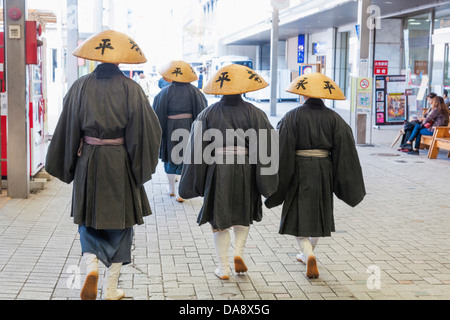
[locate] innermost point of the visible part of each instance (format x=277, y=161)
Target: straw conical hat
x=111, y=47
x=316, y=85
x=178, y=71
x=234, y=79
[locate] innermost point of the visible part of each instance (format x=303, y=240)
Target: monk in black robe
x=228, y=176
x=177, y=106
x=318, y=159
x=106, y=142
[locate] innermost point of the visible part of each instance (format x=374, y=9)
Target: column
x=274, y=62
x=363, y=62
x=18, y=125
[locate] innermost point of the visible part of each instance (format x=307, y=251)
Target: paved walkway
x=393, y=246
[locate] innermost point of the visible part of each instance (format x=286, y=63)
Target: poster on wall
x=396, y=107
x=364, y=95
x=380, y=85
x=396, y=87
x=391, y=99
x=380, y=118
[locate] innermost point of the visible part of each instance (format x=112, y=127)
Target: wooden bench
x=441, y=140
x=427, y=141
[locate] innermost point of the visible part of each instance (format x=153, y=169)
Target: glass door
x=447, y=66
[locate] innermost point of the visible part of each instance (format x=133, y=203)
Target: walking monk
x=318, y=159
x=120, y=137
x=177, y=106
x=228, y=175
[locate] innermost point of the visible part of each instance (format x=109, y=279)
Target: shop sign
x=420, y=67
x=381, y=67
x=301, y=48
x=320, y=48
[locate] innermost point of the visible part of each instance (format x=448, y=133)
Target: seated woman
x=439, y=117
x=407, y=131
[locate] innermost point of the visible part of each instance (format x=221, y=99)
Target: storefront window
x=442, y=19
x=447, y=66
x=417, y=40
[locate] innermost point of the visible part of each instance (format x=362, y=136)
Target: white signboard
x=423, y=88
x=280, y=4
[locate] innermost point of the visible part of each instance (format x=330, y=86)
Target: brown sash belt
x=100, y=142
x=180, y=116
x=313, y=153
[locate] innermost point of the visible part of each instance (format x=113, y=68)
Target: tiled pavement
x=393, y=246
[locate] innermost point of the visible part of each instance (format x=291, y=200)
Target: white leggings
x=307, y=245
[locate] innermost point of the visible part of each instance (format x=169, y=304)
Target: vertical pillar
x=431, y=51
x=364, y=37
x=72, y=41
x=16, y=78
x=274, y=63
x=363, y=62
x=98, y=16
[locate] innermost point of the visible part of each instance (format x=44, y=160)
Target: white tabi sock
x=308, y=257
x=241, y=235
x=177, y=185
x=171, y=188
x=314, y=242
x=240, y=239
x=112, y=280
x=222, y=241
x=89, y=290
x=306, y=249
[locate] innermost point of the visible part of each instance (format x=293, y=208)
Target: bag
x=428, y=125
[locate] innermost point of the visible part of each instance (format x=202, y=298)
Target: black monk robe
x=175, y=99
x=308, y=184
x=108, y=181
x=232, y=190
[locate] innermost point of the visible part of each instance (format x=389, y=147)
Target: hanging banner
x=301, y=48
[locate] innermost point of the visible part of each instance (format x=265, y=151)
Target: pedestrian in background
x=231, y=188
x=446, y=98
x=318, y=159
x=177, y=106
x=438, y=117
x=120, y=137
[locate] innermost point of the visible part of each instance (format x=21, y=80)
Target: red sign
x=381, y=67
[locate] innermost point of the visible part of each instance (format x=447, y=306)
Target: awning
x=315, y=16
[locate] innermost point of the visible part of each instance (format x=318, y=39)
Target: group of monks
x=109, y=141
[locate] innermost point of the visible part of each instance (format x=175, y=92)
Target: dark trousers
x=417, y=134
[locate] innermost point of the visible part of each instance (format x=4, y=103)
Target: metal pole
x=274, y=63
x=363, y=63
x=431, y=51
x=16, y=79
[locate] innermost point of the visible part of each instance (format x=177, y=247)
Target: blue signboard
x=301, y=48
